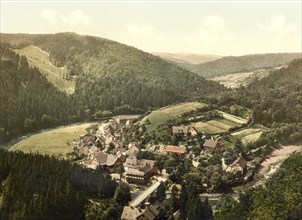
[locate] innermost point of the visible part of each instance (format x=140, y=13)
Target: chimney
x=147, y=205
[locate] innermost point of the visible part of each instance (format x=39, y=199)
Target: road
x=144, y=195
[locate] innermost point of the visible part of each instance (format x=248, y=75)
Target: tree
x=160, y=162
x=161, y=192
x=183, y=198
x=216, y=180
x=170, y=165
x=174, y=198
x=122, y=194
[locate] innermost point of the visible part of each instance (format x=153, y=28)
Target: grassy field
x=249, y=134
x=40, y=59
x=57, y=142
x=177, y=110
x=233, y=118
x=162, y=115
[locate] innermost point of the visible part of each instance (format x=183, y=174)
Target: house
x=139, y=171
x=134, y=213
x=175, y=150
x=212, y=146
x=122, y=120
x=83, y=151
x=133, y=150
x=192, y=131
x=87, y=137
x=239, y=165
x=180, y=130
x=111, y=162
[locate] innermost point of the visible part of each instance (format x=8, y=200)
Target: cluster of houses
x=104, y=148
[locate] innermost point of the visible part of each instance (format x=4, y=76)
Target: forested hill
x=276, y=102
x=111, y=74
x=247, y=63
x=110, y=78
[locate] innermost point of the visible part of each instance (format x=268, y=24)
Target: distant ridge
x=187, y=57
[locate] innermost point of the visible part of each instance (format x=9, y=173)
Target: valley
x=108, y=127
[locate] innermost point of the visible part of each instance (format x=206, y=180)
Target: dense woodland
x=28, y=101
x=247, y=63
x=275, y=101
x=280, y=198
x=35, y=187
x=110, y=77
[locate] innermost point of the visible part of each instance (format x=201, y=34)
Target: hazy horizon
x=217, y=28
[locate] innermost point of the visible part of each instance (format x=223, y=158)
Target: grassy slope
x=170, y=112
x=56, y=141
x=219, y=125
x=40, y=59
x=250, y=134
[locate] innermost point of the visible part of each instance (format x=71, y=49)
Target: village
x=104, y=149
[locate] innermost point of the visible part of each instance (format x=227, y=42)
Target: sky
x=219, y=28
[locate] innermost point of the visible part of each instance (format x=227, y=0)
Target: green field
x=214, y=126
x=233, y=118
x=179, y=109
x=40, y=59
x=57, y=142
x=162, y=115
x=249, y=134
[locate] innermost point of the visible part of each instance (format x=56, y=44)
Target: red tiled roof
x=176, y=149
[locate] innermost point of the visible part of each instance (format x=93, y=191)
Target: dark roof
x=210, y=143
x=240, y=161
x=180, y=129
x=133, y=213
x=106, y=159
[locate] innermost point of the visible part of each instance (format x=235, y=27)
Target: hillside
x=188, y=58
x=241, y=64
x=235, y=80
x=100, y=76
x=56, y=75
x=115, y=74
x=28, y=101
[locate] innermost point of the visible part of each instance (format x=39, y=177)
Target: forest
x=110, y=77
x=279, y=198
x=33, y=186
x=247, y=63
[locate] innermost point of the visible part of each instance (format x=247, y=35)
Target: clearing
x=214, y=126
x=249, y=134
x=233, y=118
x=235, y=80
x=162, y=115
x=40, y=59
x=56, y=142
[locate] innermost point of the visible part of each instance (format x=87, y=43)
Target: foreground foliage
x=36, y=187
x=279, y=198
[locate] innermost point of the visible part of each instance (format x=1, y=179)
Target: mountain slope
x=115, y=74
x=188, y=58
x=247, y=63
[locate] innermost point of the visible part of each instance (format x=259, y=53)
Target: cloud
x=49, y=15
x=145, y=36
x=278, y=23
x=140, y=31
x=77, y=17
x=213, y=30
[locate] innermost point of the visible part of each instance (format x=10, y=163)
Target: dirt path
x=279, y=155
